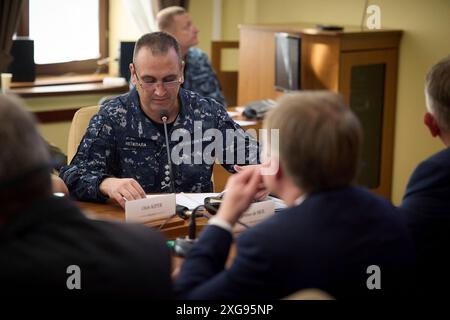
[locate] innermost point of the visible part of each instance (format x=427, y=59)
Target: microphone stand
x=182, y=246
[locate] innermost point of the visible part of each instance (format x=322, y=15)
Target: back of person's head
x=24, y=157
x=158, y=42
x=319, y=139
x=164, y=18
x=437, y=91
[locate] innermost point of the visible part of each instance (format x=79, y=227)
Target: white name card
x=153, y=207
x=257, y=212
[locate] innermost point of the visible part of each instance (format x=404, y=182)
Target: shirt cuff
x=221, y=223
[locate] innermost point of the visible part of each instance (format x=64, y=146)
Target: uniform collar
x=185, y=118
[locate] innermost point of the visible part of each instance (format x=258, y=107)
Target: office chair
x=78, y=128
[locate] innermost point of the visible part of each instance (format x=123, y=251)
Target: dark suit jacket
x=426, y=207
x=115, y=259
x=327, y=242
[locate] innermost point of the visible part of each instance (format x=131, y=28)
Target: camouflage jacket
x=200, y=77
x=121, y=141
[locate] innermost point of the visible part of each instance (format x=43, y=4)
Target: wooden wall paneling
x=256, y=65
x=319, y=62
x=370, y=40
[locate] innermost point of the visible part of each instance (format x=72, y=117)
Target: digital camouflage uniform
x=121, y=141
x=200, y=77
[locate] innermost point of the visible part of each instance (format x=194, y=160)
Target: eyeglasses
x=152, y=84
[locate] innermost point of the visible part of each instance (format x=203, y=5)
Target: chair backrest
x=78, y=128
x=228, y=79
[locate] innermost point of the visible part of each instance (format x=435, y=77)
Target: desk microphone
x=164, y=116
x=212, y=205
x=182, y=246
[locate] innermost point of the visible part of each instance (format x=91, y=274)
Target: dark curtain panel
x=168, y=3
x=9, y=17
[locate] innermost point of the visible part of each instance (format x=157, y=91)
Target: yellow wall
x=121, y=28
x=201, y=13
x=426, y=26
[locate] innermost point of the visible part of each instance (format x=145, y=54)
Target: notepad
x=244, y=123
x=193, y=200
x=233, y=113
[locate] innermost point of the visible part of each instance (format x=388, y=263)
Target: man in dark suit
x=335, y=237
x=48, y=247
x=426, y=203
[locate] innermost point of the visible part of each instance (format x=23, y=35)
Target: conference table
x=172, y=227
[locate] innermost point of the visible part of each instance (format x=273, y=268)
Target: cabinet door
x=368, y=82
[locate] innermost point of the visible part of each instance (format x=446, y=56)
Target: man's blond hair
x=319, y=139
x=164, y=18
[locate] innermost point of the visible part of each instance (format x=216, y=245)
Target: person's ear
x=272, y=166
x=182, y=71
x=133, y=74
x=430, y=121
x=280, y=174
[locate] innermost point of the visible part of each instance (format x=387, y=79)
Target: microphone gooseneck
x=164, y=116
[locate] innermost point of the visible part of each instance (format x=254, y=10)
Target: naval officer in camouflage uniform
x=199, y=76
x=123, y=154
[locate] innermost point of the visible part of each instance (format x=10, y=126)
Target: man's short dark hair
x=159, y=42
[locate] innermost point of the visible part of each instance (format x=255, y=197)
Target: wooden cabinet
x=359, y=64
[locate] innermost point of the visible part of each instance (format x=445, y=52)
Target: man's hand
x=119, y=189
x=58, y=185
x=262, y=192
x=241, y=190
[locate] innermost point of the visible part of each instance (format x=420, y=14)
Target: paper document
x=239, y=109
x=233, y=113
x=193, y=200
x=243, y=123
x=257, y=212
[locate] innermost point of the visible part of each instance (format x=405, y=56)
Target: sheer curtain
x=9, y=17
x=142, y=13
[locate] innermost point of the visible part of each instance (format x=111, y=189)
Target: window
x=69, y=35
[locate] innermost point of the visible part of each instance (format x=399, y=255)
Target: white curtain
x=142, y=13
